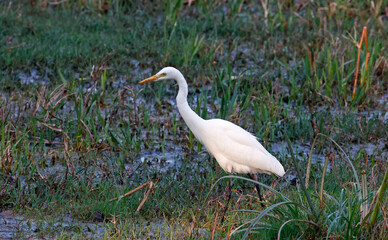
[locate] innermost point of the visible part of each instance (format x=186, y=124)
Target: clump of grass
x=345, y=215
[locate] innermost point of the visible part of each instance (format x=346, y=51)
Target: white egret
x=236, y=150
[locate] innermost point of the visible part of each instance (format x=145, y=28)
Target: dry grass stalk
x=87, y=129
x=192, y=225
x=133, y=191
x=323, y=179
x=364, y=189
x=146, y=196
x=264, y=4
x=359, y=45
x=215, y=224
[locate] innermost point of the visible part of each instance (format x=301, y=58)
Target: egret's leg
x=254, y=177
x=229, y=195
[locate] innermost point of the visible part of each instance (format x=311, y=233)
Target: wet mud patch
x=16, y=226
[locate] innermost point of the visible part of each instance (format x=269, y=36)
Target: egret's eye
x=163, y=74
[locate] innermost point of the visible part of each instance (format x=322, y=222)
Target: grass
x=77, y=130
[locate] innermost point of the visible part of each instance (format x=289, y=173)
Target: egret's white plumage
x=236, y=150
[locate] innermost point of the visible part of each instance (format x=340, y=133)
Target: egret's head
x=165, y=73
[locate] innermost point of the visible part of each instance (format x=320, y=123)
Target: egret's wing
x=231, y=142
x=231, y=134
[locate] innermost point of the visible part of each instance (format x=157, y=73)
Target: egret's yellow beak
x=153, y=78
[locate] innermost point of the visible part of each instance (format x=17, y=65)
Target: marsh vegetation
x=77, y=132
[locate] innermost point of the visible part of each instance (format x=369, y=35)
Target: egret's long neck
x=193, y=121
